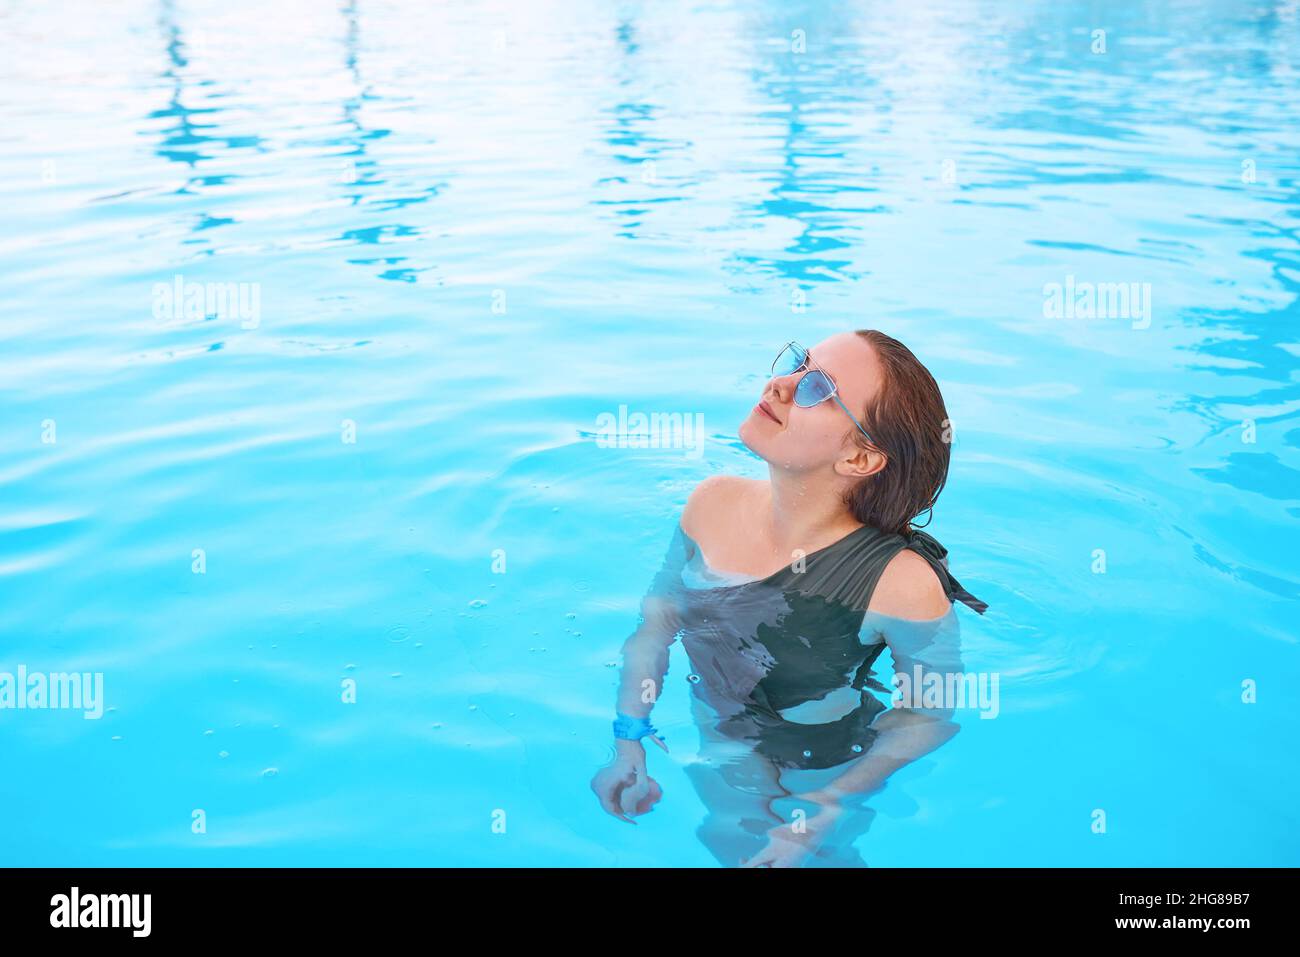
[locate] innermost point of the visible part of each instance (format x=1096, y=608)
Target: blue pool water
x=466, y=232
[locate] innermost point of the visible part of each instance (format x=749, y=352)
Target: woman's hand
x=788, y=848
x=624, y=786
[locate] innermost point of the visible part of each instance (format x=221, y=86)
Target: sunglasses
x=816, y=385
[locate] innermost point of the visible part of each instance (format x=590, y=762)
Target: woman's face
x=810, y=439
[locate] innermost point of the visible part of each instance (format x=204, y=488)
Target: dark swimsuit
x=763, y=646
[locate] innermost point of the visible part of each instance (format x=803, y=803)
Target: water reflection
x=645, y=188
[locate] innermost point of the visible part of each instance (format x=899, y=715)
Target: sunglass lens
x=813, y=388
x=790, y=359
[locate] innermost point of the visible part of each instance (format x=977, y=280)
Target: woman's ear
x=860, y=462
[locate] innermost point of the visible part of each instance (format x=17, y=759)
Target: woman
x=785, y=592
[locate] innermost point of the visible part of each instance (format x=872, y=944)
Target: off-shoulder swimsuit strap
x=926, y=546
x=848, y=570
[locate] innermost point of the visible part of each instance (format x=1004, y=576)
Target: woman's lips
x=767, y=411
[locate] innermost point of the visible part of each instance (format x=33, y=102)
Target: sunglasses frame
x=816, y=367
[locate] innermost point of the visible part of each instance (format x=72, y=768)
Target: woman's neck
x=806, y=512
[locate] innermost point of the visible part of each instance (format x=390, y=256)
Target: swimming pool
x=312, y=313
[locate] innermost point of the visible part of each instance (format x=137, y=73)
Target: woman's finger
x=651, y=796
x=611, y=801
x=632, y=795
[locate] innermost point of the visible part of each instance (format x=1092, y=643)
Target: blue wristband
x=634, y=729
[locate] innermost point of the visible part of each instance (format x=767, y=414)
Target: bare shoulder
x=713, y=499
x=909, y=588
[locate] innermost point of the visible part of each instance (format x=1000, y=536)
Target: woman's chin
x=750, y=437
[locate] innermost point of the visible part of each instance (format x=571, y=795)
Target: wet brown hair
x=909, y=422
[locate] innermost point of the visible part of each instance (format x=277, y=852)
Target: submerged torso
x=783, y=664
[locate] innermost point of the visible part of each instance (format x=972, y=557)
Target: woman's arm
x=645, y=652
x=905, y=735
x=645, y=659
x=625, y=787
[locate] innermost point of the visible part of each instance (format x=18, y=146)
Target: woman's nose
x=783, y=386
